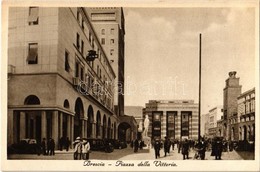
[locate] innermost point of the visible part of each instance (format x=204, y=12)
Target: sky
x=162, y=53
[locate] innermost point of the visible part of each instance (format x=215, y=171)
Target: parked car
x=118, y=144
x=25, y=146
x=100, y=145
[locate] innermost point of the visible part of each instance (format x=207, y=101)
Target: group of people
x=48, y=146
x=81, y=149
x=64, y=143
x=184, y=146
x=137, y=144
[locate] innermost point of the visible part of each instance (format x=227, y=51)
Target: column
x=10, y=132
x=55, y=128
x=72, y=128
x=68, y=126
x=83, y=128
x=61, y=124
x=178, y=126
x=101, y=130
x=93, y=134
x=43, y=124
x=163, y=125
x=22, y=125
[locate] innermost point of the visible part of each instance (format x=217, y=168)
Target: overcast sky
x=162, y=52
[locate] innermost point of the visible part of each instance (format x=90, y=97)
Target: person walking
x=85, y=149
x=52, y=147
x=77, y=149
x=43, y=145
x=166, y=146
x=218, y=149
x=49, y=146
x=157, y=147
x=185, y=149
x=67, y=144
x=136, y=145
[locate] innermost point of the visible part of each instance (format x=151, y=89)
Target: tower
x=230, y=93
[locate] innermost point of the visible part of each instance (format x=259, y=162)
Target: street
x=128, y=154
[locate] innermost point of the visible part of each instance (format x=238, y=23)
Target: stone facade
x=176, y=119
x=53, y=90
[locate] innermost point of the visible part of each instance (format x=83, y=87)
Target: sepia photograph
x=90, y=86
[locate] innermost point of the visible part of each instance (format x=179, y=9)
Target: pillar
x=43, y=124
x=69, y=126
x=22, y=125
x=101, y=130
x=55, y=128
x=10, y=127
x=93, y=134
x=178, y=125
x=61, y=125
x=72, y=128
x=163, y=125
x=83, y=128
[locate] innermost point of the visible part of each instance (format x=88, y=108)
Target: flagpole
x=199, y=84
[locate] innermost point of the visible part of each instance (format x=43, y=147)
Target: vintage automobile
x=100, y=145
x=25, y=146
x=118, y=144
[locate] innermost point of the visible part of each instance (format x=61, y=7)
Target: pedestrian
x=185, y=149
x=218, y=149
x=136, y=145
x=49, y=146
x=201, y=148
x=77, y=149
x=43, y=145
x=67, y=144
x=157, y=147
x=166, y=146
x=52, y=147
x=179, y=146
x=173, y=144
x=85, y=149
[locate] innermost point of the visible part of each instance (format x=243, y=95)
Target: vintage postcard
x=130, y=86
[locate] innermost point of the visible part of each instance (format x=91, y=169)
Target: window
x=112, y=31
x=33, y=53
x=78, y=15
x=82, y=74
x=103, y=41
x=82, y=47
x=78, y=42
x=67, y=65
x=112, y=41
x=77, y=69
x=103, y=31
x=112, y=52
x=89, y=37
x=33, y=18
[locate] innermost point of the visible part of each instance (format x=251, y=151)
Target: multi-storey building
x=176, y=119
x=204, y=125
x=109, y=24
x=246, y=115
x=54, y=90
x=214, y=115
x=230, y=93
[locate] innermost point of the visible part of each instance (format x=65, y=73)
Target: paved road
x=128, y=154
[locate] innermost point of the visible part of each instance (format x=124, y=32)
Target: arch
x=98, y=125
x=103, y=31
x=79, y=114
x=122, y=130
x=104, y=126
x=90, y=121
x=66, y=104
x=31, y=100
